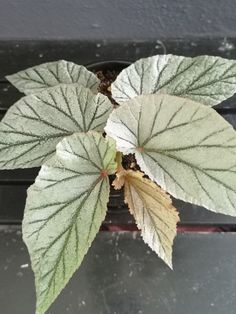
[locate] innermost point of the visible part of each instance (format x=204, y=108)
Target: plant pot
x=113, y=65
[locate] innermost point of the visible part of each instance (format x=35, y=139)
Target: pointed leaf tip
x=206, y=79
x=43, y=76
x=64, y=210
x=153, y=212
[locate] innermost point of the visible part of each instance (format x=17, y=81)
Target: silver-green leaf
x=186, y=147
x=205, y=79
x=50, y=74
x=34, y=125
x=64, y=210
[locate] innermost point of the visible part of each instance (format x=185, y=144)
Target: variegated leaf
x=50, y=74
x=64, y=210
x=206, y=79
x=186, y=147
x=34, y=125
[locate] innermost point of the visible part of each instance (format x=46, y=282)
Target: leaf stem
x=119, y=156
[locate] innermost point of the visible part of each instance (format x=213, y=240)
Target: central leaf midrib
x=143, y=224
x=69, y=230
x=147, y=208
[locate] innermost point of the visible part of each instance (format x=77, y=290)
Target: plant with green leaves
x=164, y=118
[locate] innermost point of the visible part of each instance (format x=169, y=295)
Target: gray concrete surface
x=121, y=275
x=116, y=19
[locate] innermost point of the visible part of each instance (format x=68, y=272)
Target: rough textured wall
x=116, y=19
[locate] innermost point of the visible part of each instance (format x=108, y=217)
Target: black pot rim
x=108, y=65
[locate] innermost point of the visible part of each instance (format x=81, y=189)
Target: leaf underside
x=64, y=210
x=34, y=125
x=205, y=79
x=50, y=74
x=153, y=212
x=186, y=147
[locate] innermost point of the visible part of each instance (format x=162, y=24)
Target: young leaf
x=205, y=79
x=34, y=125
x=64, y=210
x=153, y=212
x=186, y=147
x=50, y=74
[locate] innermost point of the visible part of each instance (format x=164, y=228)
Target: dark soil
x=129, y=162
x=106, y=78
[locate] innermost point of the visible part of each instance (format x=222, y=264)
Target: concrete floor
x=120, y=275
